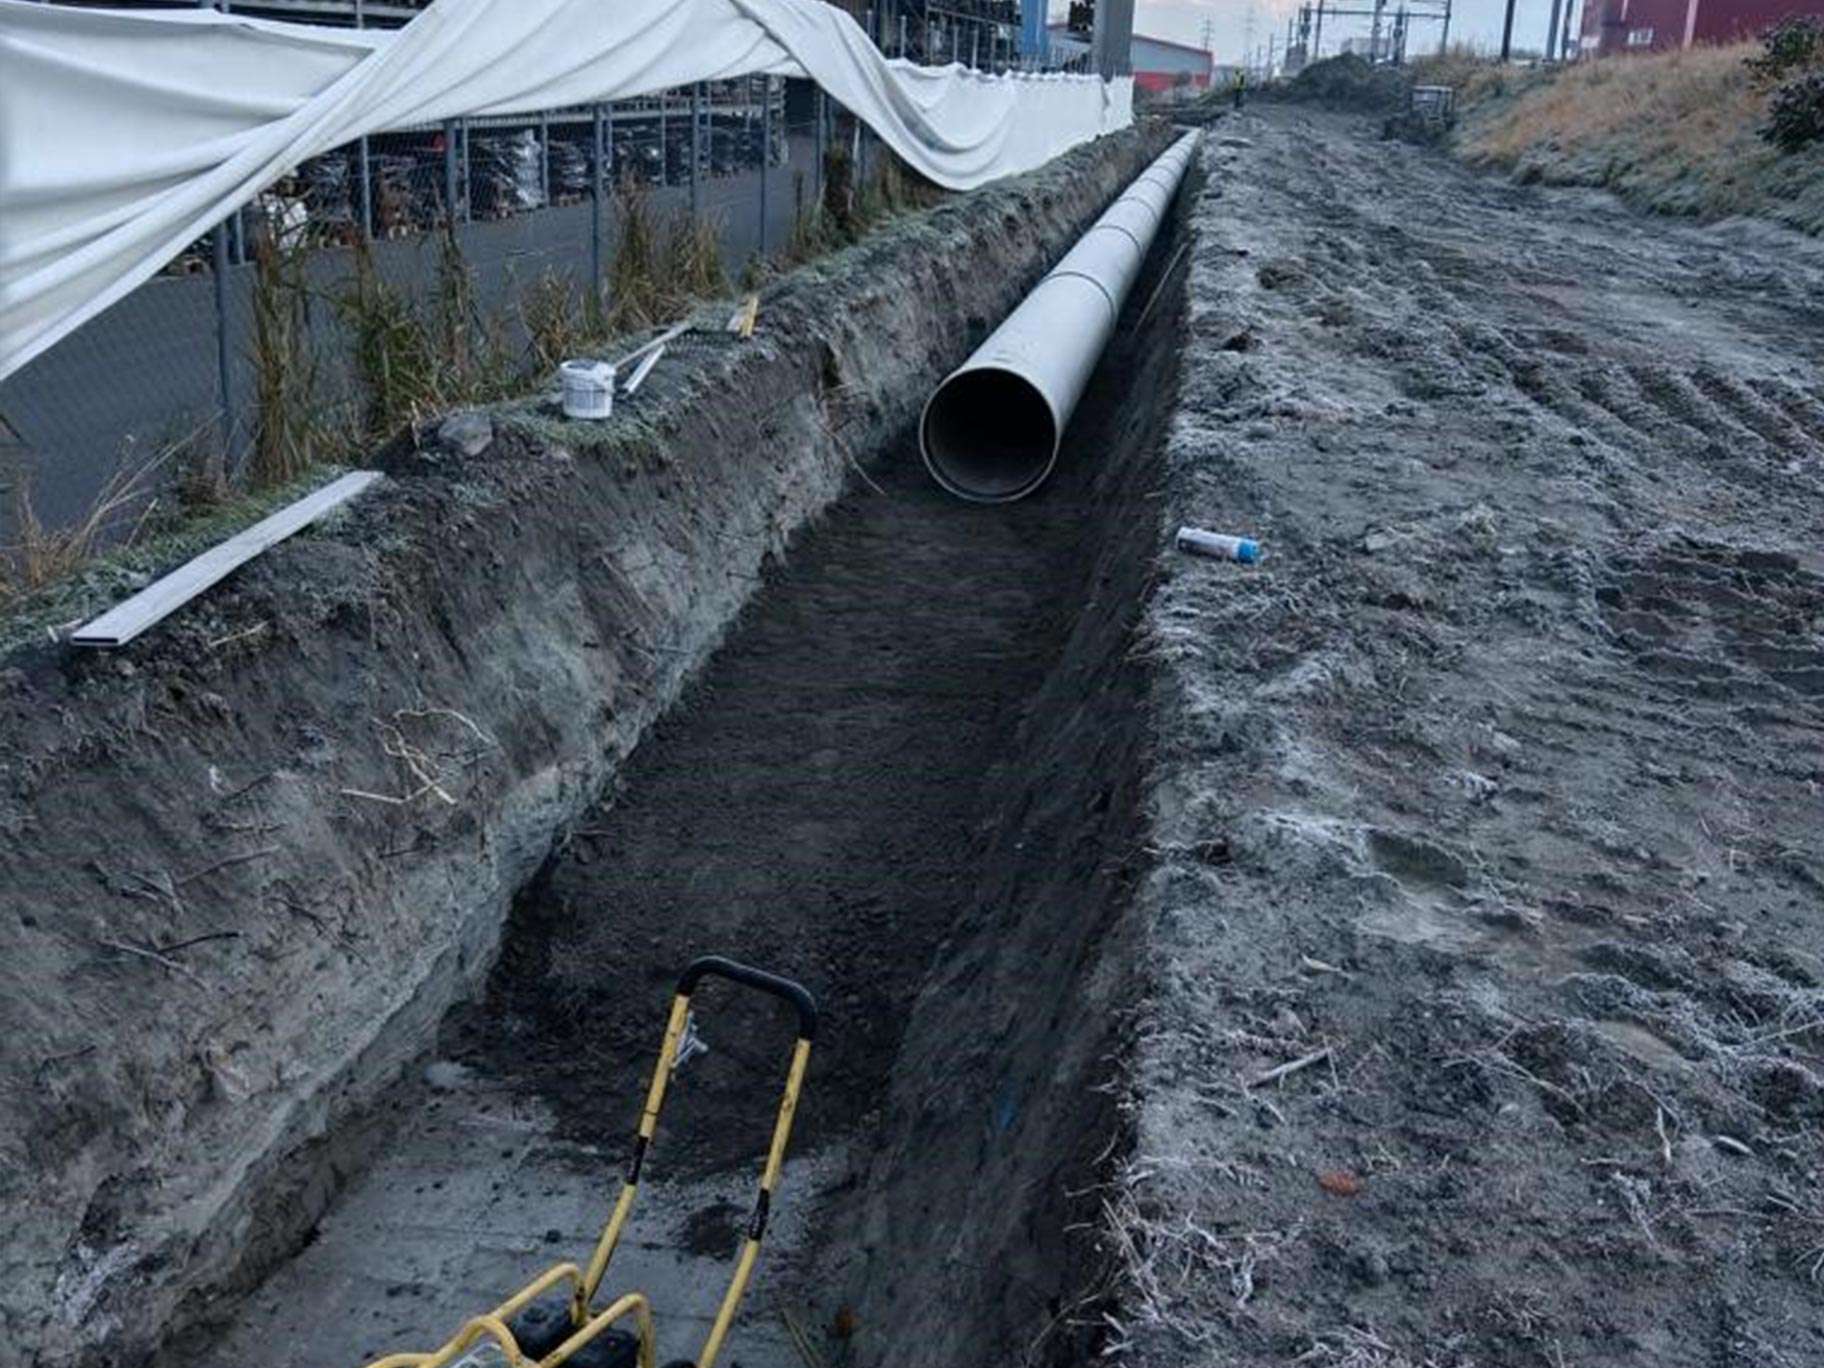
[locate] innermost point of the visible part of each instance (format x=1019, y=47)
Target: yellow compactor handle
x=712, y=966
x=584, y=1284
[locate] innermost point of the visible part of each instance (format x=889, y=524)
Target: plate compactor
x=552, y=1320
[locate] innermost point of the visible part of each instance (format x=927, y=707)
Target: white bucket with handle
x=588, y=389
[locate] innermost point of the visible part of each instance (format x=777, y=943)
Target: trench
x=909, y=778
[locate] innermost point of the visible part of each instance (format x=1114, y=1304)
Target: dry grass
x=660, y=266
x=1693, y=105
x=1675, y=132
x=289, y=427
x=41, y=556
x=692, y=266
x=395, y=355
x=554, y=319
x=1456, y=66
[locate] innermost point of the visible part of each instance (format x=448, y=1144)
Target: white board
x=158, y=600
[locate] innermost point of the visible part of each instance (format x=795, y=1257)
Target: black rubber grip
x=714, y=966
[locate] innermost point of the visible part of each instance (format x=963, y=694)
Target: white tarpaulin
x=124, y=136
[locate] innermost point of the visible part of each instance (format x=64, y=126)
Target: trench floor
x=819, y=804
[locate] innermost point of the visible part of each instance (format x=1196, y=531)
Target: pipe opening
x=988, y=434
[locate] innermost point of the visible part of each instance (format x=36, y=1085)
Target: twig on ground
x=801, y=1341
x=152, y=955
x=232, y=637
x=226, y=861
x=384, y=797
x=1291, y=1067
x=1317, y=966
x=198, y=940
x=249, y=786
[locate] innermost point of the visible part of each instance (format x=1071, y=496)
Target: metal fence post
x=595, y=210
x=544, y=156
x=367, y=193
x=468, y=173
x=366, y=200
x=819, y=118
x=449, y=170
x=766, y=149
x=224, y=362
x=696, y=145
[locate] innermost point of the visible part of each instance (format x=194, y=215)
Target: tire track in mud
x=1512, y=759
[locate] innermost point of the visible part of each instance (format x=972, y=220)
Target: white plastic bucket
x=588, y=389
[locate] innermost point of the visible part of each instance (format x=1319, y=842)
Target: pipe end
x=989, y=435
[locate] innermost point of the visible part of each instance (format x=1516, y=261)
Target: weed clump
x=555, y=324
x=394, y=357
x=284, y=367
x=1795, y=114
x=1791, y=55
x=1790, y=46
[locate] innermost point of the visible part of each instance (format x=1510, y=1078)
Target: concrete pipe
x=991, y=431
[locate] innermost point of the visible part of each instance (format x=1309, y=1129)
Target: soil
x=1489, y=806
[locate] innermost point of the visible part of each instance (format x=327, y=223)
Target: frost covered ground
x=1492, y=799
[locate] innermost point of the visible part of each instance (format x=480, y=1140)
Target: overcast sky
x=1472, y=21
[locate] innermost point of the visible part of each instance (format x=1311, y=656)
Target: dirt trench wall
x=1004, y=1114
x=248, y=863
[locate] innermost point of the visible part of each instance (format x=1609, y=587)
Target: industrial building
x=1157, y=64
x=1622, y=26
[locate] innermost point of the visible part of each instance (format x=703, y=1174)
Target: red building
x=1157, y=63
x=1615, y=26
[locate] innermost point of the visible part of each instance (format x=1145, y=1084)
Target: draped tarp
x=124, y=135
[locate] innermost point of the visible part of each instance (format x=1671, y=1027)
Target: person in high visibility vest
x=1240, y=88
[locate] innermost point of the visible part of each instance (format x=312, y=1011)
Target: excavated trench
x=910, y=778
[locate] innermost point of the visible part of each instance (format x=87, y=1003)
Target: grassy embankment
x=1675, y=132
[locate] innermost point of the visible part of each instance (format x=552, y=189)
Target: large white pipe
x=991, y=431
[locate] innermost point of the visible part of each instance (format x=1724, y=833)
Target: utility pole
x=1317, y=42
x=1551, y=33
x=1507, y=33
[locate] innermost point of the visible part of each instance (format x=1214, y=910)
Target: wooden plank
x=158, y=600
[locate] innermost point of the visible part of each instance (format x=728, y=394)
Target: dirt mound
x=1345, y=82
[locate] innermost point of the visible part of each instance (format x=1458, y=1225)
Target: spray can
x=1218, y=545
